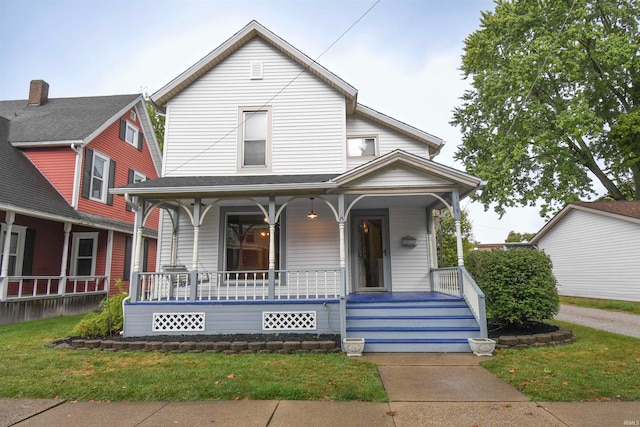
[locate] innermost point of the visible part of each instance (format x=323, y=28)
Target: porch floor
x=400, y=297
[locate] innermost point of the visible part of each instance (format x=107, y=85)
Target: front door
x=369, y=252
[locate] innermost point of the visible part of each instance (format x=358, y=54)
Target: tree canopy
x=519, y=237
x=555, y=103
x=158, y=123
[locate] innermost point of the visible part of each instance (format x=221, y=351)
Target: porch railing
x=238, y=286
x=458, y=282
x=446, y=280
x=21, y=287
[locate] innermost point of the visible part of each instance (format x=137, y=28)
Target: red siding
x=126, y=157
x=49, y=239
x=117, y=263
x=57, y=164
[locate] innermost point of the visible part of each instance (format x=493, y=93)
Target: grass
x=598, y=366
x=28, y=369
x=603, y=304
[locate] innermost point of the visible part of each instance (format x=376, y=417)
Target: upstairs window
x=254, y=141
x=98, y=176
x=361, y=147
x=130, y=133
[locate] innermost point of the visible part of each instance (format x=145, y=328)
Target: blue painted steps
x=412, y=325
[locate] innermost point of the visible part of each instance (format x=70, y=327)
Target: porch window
x=254, y=138
x=84, y=249
x=16, y=248
x=361, y=147
x=247, y=242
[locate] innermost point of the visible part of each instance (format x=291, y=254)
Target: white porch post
x=137, y=252
x=197, y=210
x=343, y=268
x=62, y=284
x=272, y=247
x=457, y=216
x=108, y=263
x=10, y=217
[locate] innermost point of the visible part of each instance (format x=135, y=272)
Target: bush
x=108, y=321
x=518, y=285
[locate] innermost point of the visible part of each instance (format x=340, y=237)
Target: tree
x=446, y=235
x=519, y=237
x=158, y=123
x=555, y=102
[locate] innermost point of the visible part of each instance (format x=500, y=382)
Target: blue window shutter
x=86, y=173
x=112, y=179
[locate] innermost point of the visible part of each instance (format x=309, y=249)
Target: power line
x=306, y=68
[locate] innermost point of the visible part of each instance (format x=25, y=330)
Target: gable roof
x=62, y=120
x=624, y=210
x=255, y=29
x=400, y=127
x=65, y=121
x=252, y=30
x=399, y=158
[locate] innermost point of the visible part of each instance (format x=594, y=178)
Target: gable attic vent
x=132, y=115
x=255, y=70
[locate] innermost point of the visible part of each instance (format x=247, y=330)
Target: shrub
x=518, y=285
x=108, y=321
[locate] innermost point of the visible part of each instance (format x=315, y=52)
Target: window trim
x=268, y=143
x=105, y=177
x=75, y=246
x=225, y=211
x=21, y=231
x=136, y=131
x=367, y=136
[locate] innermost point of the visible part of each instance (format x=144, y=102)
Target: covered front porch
x=238, y=251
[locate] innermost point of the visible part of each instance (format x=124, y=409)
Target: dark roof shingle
x=624, y=208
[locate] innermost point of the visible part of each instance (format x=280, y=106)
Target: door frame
x=355, y=216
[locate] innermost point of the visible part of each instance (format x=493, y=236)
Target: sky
x=403, y=56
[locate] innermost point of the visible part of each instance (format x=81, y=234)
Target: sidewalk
x=423, y=389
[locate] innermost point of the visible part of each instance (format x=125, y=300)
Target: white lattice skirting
x=288, y=320
x=178, y=322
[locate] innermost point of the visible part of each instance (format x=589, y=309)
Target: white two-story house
x=287, y=206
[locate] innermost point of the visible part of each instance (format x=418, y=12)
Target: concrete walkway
x=611, y=321
x=423, y=389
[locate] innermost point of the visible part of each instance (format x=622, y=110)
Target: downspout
x=78, y=149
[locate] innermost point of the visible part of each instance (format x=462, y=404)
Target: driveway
x=611, y=321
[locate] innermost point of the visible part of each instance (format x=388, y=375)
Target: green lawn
x=28, y=369
x=603, y=304
x=598, y=366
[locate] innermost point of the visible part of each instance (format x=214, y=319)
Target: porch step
x=412, y=326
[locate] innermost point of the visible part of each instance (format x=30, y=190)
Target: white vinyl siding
x=398, y=176
x=409, y=266
x=312, y=244
x=308, y=117
x=595, y=256
x=208, y=247
x=387, y=140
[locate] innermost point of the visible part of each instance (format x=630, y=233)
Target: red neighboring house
x=64, y=239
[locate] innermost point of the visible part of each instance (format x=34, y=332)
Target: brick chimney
x=38, y=92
